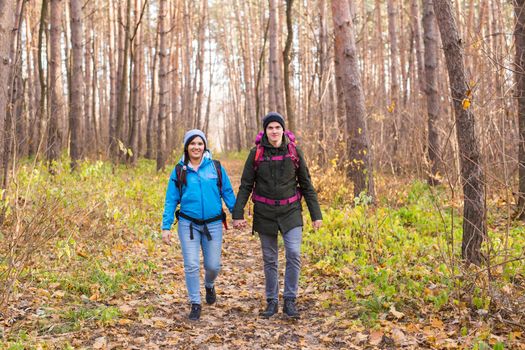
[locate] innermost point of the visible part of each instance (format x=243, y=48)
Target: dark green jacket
x=276, y=180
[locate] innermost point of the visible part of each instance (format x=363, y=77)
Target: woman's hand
x=317, y=224
x=166, y=237
x=238, y=224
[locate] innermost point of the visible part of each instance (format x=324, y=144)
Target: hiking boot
x=289, y=308
x=211, y=296
x=271, y=308
x=195, y=312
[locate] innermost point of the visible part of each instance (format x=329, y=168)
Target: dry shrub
x=30, y=225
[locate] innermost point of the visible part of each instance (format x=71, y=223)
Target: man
x=277, y=173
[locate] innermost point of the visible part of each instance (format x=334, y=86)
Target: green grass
x=395, y=255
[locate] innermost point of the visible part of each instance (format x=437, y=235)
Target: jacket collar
x=266, y=143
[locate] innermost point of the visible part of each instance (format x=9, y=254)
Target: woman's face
x=274, y=132
x=196, y=149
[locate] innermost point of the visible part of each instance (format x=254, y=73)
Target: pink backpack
x=292, y=151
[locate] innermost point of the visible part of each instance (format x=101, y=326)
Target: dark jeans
x=292, y=244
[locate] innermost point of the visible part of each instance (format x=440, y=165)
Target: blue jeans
x=292, y=245
x=211, y=251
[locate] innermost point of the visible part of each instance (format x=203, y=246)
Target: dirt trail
x=233, y=322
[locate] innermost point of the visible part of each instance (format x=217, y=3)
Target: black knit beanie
x=273, y=117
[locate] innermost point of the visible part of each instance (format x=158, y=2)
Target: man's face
x=274, y=132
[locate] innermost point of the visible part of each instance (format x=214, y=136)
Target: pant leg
x=270, y=258
x=211, y=251
x=292, y=244
x=190, y=253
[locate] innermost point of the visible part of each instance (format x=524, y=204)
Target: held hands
x=317, y=224
x=239, y=224
x=166, y=237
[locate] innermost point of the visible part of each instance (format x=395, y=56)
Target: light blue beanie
x=190, y=135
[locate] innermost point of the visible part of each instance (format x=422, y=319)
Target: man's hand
x=239, y=224
x=166, y=237
x=317, y=224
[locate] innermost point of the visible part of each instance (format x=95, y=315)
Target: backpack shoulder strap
x=218, y=168
x=259, y=155
x=292, y=149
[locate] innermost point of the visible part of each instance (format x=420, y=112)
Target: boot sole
x=296, y=317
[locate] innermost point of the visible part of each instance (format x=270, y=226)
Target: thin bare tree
x=163, y=84
x=287, y=59
x=430, y=41
x=56, y=98
x=472, y=176
x=519, y=62
x=347, y=71
x=394, y=83
x=274, y=86
x=77, y=83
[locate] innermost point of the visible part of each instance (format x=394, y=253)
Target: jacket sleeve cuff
x=237, y=216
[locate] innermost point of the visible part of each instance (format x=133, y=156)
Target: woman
x=198, y=183
x=277, y=173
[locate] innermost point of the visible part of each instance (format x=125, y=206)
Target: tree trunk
x=88, y=144
x=77, y=82
x=200, y=64
x=137, y=83
x=431, y=89
x=187, y=106
x=17, y=86
x=259, y=105
x=322, y=74
x=287, y=59
x=394, y=85
x=27, y=147
x=113, y=77
x=519, y=37
x=474, y=216
x=274, y=86
x=43, y=113
x=163, y=85
x=94, y=89
x=417, y=43
x=7, y=21
x=55, y=82
x=251, y=114
x=123, y=84
x=347, y=71
x=151, y=116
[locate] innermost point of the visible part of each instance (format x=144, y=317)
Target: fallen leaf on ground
x=375, y=337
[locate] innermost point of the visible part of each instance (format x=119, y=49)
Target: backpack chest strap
x=281, y=157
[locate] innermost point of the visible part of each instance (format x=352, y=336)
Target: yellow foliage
x=466, y=103
x=392, y=107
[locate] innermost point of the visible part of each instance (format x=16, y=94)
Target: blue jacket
x=200, y=197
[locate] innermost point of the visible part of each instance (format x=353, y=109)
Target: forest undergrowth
x=82, y=265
